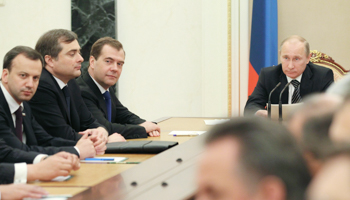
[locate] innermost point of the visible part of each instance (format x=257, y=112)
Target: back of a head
x=267, y=150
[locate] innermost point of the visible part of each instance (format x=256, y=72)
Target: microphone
x=280, y=102
x=269, y=101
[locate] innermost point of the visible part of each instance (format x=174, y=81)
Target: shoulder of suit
x=317, y=68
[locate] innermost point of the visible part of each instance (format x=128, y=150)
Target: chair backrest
x=327, y=61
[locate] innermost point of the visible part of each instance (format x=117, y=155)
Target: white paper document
x=186, y=133
x=103, y=159
x=215, y=121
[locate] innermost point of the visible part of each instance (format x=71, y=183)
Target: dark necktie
x=19, y=120
x=66, y=94
x=107, y=97
x=296, y=98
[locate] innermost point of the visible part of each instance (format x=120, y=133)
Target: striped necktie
x=296, y=98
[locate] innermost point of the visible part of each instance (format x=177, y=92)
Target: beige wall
x=324, y=23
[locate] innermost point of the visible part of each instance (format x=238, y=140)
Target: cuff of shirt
x=38, y=158
x=76, y=148
x=20, y=173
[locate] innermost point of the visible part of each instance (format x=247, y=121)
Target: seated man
x=19, y=81
x=250, y=158
x=58, y=105
x=305, y=77
x=106, y=64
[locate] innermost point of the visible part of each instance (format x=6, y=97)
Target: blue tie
x=107, y=97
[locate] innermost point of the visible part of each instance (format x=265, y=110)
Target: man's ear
x=273, y=188
x=308, y=58
x=92, y=62
x=49, y=61
x=4, y=75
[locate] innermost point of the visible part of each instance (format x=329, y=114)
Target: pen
x=100, y=159
x=185, y=135
x=124, y=162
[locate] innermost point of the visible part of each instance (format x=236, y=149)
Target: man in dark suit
x=21, y=71
x=58, y=105
x=106, y=63
x=305, y=76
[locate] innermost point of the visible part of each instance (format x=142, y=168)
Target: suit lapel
x=27, y=129
x=283, y=80
x=88, y=80
x=6, y=108
x=61, y=98
x=306, y=84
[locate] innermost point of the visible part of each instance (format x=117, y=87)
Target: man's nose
x=80, y=58
x=30, y=83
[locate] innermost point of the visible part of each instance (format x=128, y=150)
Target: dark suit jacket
x=124, y=122
x=7, y=154
x=315, y=79
x=50, y=109
x=38, y=139
x=7, y=173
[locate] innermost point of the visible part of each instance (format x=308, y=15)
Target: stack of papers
x=215, y=121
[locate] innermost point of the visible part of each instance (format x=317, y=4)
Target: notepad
x=103, y=159
x=215, y=121
x=186, y=133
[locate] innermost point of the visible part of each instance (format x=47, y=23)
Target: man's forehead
x=69, y=46
x=110, y=50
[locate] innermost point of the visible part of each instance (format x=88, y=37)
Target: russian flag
x=264, y=39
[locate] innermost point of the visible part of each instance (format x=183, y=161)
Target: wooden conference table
x=152, y=178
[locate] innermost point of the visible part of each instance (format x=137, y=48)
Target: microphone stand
x=280, y=103
x=269, y=101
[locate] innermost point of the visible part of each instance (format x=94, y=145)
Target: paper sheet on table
x=287, y=109
x=215, y=121
x=62, y=178
x=114, y=159
x=186, y=133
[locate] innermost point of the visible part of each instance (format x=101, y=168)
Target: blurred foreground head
x=333, y=180
x=252, y=158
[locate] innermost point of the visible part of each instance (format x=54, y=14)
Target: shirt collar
x=298, y=78
x=102, y=90
x=59, y=82
x=12, y=103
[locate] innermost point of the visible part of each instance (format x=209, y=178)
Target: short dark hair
x=24, y=50
x=49, y=43
x=316, y=135
x=99, y=44
x=267, y=148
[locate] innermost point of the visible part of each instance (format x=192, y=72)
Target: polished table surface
x=90, y=175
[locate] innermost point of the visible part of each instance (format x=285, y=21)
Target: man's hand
x=261, y=113
x=116, y=137
x=20, y=191
x=99, y=137
x=86, y=147
x=59, y=164
x=152, y=129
